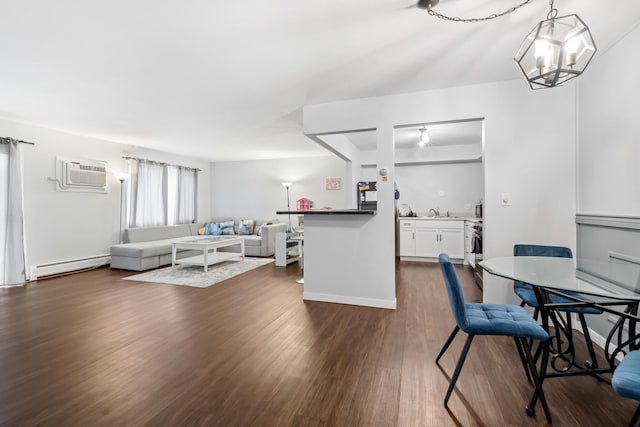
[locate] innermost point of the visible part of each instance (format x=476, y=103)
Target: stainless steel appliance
x=367, y=195
x=479, y=210
x=478, y=252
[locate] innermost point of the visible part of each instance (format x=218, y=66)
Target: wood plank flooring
x=92, y=349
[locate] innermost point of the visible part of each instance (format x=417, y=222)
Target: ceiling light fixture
x=424, y=137
x=554, y=52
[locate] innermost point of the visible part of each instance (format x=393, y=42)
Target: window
x=161, y=194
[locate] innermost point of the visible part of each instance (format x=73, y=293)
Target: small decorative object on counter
x=303, y=204
x=405, y=210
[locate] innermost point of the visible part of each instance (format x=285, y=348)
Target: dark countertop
x=329, y=212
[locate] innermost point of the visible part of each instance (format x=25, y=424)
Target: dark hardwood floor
x=91, y=349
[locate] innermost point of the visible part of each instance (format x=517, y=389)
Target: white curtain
x=162, y=194
x=13, y=259
x=187, y=192
x=150, y=201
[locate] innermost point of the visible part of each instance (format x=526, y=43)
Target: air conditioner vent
x=86, y=175
x=83, y=175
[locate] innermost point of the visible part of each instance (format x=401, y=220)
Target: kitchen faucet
x=436, y=212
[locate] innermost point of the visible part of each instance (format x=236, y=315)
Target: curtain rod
x=4, y=138
x=158, y=163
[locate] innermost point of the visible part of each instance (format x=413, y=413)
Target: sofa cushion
x=133, y=235
x=252, y=240
x=194, y=227
x=145, y=249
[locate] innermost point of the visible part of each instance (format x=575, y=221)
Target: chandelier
x=557, y=50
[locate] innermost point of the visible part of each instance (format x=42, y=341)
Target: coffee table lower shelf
x=213, y=258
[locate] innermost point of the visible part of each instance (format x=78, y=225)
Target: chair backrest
x=454, y=290
x=540, y=250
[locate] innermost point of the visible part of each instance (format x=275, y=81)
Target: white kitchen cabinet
x=452, y=242
x=427, y=242
x=425, y=239
x=407, y=242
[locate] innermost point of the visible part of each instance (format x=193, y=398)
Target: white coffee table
x=207, y=244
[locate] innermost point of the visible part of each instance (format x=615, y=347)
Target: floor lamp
x=286, y=185
x=122, y=177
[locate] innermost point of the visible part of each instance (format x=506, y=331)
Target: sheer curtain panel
x=150, y=195
x=187, y=191
x=13, y=259
x=161, y=194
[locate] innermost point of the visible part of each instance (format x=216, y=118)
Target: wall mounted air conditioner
x=83, y=175
x=80, y=174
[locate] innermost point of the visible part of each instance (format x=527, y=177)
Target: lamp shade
x=121, y=176
x=287, y=184
x=556, y=51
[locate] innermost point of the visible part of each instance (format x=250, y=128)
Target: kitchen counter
x=329, y=212
x=442, y=218
x=340, y=265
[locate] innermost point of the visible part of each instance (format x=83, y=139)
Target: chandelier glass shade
x=424, y=137
x=555, y=51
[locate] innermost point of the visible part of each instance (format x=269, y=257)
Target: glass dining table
x=613, y=287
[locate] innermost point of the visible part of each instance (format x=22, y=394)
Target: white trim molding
x=343, y=299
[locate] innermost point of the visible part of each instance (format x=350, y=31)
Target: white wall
x=529, y=153
x=609, y=140
x=253, y=189
x=456, y=188
x=609, y=132
x=64, y=226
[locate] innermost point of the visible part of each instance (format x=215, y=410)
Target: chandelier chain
x=553, y=12
x=486, y=18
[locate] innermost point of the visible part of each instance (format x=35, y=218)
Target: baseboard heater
x=43, y=270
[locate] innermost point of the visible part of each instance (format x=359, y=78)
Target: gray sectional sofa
x=147, y=248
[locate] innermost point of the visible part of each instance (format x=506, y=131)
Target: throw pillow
x=201, y=231
x=227, y=227
x=245, y=227
x=259, y=233
x=212, y=229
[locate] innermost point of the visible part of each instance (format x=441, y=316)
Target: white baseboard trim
x=67, y=266
x=342, y=299
x=430, y=260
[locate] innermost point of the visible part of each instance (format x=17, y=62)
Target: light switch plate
x=505, y=199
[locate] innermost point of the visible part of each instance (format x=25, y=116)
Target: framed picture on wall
x=333, y=183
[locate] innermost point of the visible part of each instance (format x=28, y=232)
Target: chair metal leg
x=523, y=360
x=456, y=373
x=593, y=363
x=447, y=343
x=537, y=380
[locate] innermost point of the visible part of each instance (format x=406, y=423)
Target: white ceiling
x=227, y=80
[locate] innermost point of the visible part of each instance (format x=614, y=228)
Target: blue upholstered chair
x=528, y=297
x=626, y=381
x=490, y=319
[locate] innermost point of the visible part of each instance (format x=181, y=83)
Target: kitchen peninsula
x=338, y=267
